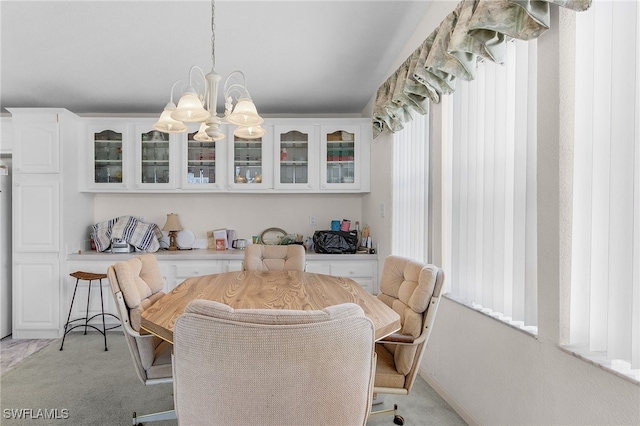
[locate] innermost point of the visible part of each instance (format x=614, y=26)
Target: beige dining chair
x=136, y=285
x=260, y=257
x=271, y=366
x=412, y=289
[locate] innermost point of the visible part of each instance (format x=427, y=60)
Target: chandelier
x=198, y=103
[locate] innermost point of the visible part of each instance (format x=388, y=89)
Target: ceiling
x=107, y=57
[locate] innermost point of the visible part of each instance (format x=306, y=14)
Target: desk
x=268, y=290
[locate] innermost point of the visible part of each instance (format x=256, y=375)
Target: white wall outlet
x=312, y=220
x=382, y=212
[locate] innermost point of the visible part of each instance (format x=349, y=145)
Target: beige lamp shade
x=249, y=132
x=245, y=114
x=167, y=124
x=172, y=224
x=202, y=136
x=190, y=109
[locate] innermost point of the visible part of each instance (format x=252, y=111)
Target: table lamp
x=173, y=226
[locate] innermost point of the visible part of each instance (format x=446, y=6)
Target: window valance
x=476, y=30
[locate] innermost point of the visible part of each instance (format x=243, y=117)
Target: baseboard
x=466, y=416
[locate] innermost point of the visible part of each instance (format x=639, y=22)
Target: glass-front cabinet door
x=154, y=159
x=295, y=157
x=204, y=164
x=249, y=168
x=109, y=168
x=340, y=153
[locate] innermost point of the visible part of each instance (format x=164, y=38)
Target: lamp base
x=172, y=241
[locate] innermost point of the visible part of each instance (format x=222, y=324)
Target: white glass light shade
x=190, y=108
x=202, y=136
x=167, y=124
x=249, y=132
x=245, y=114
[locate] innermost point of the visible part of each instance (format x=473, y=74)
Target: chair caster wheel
x=398, y=419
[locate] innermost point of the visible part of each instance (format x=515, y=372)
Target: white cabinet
x=36, y=213
x=155, y=158
x=37, y=146
x=364, y=272
x=296, y=150
x=294, y=156
x=203, y=164
x=109, y=156
x=36, y=296
x=344, y=158
x=47, y=212
x=251, y=164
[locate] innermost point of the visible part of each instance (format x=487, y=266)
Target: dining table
x=291, y=290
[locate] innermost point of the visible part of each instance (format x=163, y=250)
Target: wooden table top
x=268, y=290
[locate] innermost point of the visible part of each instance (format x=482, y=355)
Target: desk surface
x=268, y=290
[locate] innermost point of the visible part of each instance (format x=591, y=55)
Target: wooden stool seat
x=87, y=276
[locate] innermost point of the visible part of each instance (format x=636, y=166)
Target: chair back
x=260, y=257
x=413, y=289
x=272, y=367
x=136, y=284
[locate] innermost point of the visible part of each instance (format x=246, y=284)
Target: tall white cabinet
x=47, y=211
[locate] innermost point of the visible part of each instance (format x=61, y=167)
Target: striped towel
x=143, y=236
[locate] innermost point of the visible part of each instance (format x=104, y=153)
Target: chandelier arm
x=235, y=74
x=173, y=88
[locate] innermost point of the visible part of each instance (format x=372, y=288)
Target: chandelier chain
x=213, y=35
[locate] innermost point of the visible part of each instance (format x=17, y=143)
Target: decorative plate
x=272, y=236
x=185, y=239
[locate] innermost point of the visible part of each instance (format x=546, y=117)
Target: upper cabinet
x=295, y=155
x=341, y=157
x=250, y=162
x=203, y=164
x=155, y=158
x=108, y=156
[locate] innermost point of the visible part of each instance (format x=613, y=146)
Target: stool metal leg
x=69, y=315
x=104, y=327
x=86, y=316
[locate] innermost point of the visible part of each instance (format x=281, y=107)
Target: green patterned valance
x=475, y=30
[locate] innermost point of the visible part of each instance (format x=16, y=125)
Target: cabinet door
x=340, y=163
x=155, y=158
x=37, y=148
x=203, y=164
x=251, y=168
x=295, y=157
x=36, y=296
x=110, y=155
x=36, y=213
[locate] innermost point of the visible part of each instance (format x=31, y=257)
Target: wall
x=248, y=214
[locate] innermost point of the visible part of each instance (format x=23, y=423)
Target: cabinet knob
x=17, y=184
x=196, y=272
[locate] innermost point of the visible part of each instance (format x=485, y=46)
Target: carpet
x=81, y=385
x=86, y=385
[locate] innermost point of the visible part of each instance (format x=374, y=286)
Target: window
x=490, y=208
x=605, y=278
x=410, y=195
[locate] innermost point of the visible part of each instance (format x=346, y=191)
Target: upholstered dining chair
x=136, y=285
x=412, y=289
x=272, y=367
x=260, y=257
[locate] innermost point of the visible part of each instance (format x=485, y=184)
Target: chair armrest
x=397, y=338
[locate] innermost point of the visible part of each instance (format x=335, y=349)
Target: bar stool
x=88, y=276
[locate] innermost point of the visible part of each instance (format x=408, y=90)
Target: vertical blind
x=605, y=292
x=493, y=194
x=410, y=194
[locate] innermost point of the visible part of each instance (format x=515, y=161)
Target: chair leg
x=155, y=417
x=397, y=418
x=69, y=315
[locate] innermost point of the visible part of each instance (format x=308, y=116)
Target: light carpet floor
x=85, y=385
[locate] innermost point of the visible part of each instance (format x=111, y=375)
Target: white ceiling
x=105, y=57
